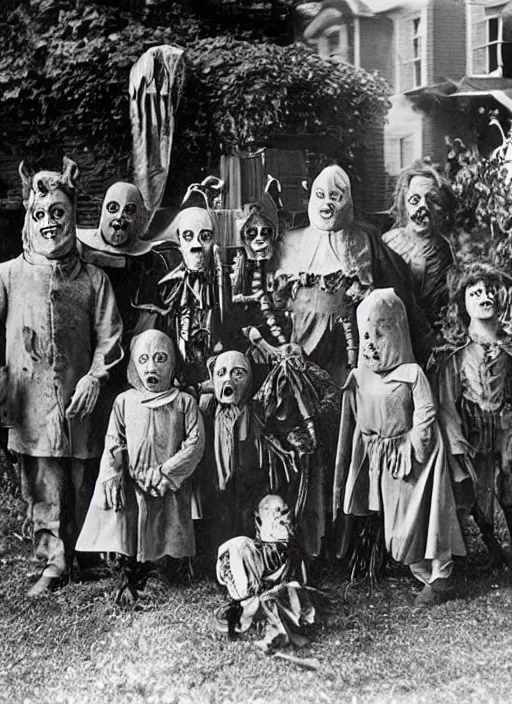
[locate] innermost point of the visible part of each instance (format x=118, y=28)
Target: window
x=406, y=151
x=485, y=37
x=340, y=42
x=411, y=50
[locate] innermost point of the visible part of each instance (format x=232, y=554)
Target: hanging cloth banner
x=156, y=86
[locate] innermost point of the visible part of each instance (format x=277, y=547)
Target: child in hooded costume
x=393, y=463
x=474, y=385
x=264, y=578
x=63, y=335
x=141, y=507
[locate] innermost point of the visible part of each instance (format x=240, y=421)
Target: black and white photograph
x=256, y=351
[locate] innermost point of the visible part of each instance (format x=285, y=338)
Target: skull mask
x=384, y=337
x=273, y=521
x=422, y=201
x=481, y=301
x=152, y=362
x=231, y=374
x=123, y=215
x=330, y=203
x=258, y=228
x=195, y=235
x=50, y=220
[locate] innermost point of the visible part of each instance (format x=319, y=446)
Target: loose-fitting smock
x=144, y=432
x=397, y=464
x=61, y=323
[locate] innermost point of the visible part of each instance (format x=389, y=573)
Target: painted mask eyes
x=130, y=209
x=239, y=374
x=112, y=206
x=38, y=214
x=143, y=358
x=57, y=213
x=160, y=357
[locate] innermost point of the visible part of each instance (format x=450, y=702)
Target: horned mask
x=50, y=201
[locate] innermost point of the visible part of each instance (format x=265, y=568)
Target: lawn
x=76, y=646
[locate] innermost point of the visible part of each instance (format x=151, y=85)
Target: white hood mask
x=384, y=337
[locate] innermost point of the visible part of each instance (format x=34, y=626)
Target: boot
x=126, y=594
x=490, y=541
x=507, y=512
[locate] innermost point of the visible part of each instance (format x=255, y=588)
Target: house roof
x=380, y=6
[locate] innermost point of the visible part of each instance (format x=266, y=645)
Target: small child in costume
x=265, y=580
x=394, y=462
x=141, y=507
x=474, y=380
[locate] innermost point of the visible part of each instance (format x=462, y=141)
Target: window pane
x=333, y=42
x=416, y=48
x=493, y=57
x=417, y=74
x=406, y=151
x=493, y=29
x=416, y=26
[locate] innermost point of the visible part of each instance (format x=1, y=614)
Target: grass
x=76, y=646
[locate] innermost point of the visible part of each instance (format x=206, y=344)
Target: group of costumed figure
x=273, y=399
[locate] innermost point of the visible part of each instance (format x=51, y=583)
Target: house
x=415, y=45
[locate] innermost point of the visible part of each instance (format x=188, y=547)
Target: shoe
x=443, y=586
x=428, y=597
x=44, y=584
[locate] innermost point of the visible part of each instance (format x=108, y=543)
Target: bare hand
x=113, y=491
x=85, y=397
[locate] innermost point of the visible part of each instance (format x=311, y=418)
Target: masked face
x=273, y=521
x=123, y=215
x=385, y=341
x=330, y=202
x=232, y=378
x=50, y=222
x=422, y=201
x=195, y=234
x=154, y=359
x=481, y=301
x=258, y=236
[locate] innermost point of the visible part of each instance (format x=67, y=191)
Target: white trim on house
x=401, y=23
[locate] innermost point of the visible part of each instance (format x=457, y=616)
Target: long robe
x=142, y=433
x=61, y=323
x=395, y=463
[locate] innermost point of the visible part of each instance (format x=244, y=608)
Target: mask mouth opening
x=326, y=211
x=50, y=232
x=119, y=225
x=228, y=391
x=421, y=216
x=151, y=380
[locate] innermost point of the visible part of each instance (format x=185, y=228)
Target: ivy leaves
x=64, y=74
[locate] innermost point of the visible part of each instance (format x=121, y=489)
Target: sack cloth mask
x=384, y=338
x=152, y=362
x=330, y=202
x=123, y=223
x=231, y=374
